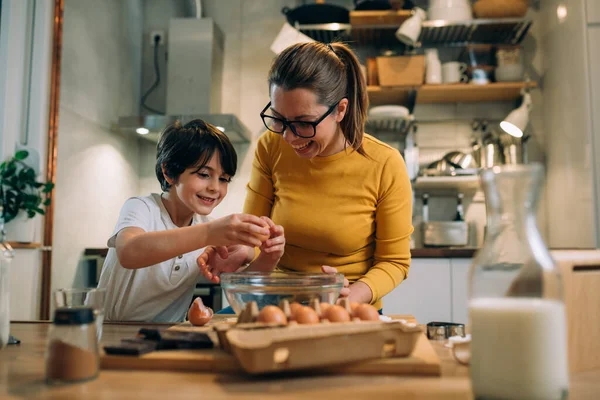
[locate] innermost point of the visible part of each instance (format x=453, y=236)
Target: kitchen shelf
x=379, y=27
x=449, y=93
x=389, y=130
x=446, y=183
x=19, y=245
x=486, y=31
x=380, y=95
x=470, y=93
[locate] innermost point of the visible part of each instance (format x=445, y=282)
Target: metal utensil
x=458, y=159
x=441, y=167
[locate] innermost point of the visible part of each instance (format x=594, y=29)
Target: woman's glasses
x=303, y=129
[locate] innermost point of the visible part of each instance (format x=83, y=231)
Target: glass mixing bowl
x=270, y=288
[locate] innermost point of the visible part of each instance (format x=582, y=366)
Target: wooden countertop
x=438, y=252
x=22, y=376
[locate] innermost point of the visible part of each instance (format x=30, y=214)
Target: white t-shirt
x=158, y=293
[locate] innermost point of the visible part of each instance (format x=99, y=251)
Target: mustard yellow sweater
x=348, y=211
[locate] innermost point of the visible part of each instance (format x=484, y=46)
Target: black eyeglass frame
x=289, y=124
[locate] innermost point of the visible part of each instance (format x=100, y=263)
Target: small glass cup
x=89, y=297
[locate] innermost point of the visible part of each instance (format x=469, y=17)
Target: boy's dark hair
x=191, y=145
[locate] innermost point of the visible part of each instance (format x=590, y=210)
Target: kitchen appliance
x=194, y=83
x=318, y=13
x=458, y=159
x=443, y=233
x=364, y=5
x=514, y=149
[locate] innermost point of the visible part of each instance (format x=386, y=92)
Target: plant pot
x=21, y=229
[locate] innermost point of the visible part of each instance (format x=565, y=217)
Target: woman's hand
x=271, y=250
x=345, y=292
x=244, y=229
x=358, y=292
x=215, y=260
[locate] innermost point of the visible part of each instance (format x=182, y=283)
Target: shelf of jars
x=448, y=93
x=378, y=28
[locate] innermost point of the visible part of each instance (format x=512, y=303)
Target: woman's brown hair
x=332, y=72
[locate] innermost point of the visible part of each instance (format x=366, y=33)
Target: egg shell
x=336, y=313
x=306, y=316
x=271, y=315
x=199, y=314
x=261, y=237
x=366, y=312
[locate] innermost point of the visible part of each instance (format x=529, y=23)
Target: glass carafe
x=516, y=312
x=6, y=255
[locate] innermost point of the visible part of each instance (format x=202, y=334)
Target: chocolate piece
x=129, y=347
x=184, y=340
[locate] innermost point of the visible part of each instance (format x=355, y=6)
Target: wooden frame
x=51, y=157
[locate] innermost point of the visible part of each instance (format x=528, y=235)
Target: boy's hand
x=215, y=260
x=271, y=250
x=235, y=229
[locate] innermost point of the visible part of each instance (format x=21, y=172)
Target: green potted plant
x=22, y=197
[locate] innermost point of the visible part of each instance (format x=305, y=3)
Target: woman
x=343, y=197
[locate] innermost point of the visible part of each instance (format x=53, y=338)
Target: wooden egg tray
x=268, y=348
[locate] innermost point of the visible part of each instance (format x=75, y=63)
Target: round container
x=270, y=288
x=72, y=351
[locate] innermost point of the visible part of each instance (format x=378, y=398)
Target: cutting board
x=423, y=361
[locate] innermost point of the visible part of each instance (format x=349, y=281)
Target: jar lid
x=74, y=316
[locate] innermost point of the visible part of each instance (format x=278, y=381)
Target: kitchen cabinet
x=426, y=293
x=593, y=12
x=459, y=276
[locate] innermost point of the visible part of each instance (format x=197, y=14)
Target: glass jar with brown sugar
x=72, y=351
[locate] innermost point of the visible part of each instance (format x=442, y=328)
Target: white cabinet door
x=460, y=289
x=594, y=62
x=593, y=11
x=426, y=292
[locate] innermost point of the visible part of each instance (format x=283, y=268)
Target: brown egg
x=261, y=237
x=336, y=313
x=293, y=308
x=324, y=306
x=366, y=312
x=271, y=315
x=353, y=307
x=306, y=315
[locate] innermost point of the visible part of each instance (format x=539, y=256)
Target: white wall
x=22, y=125
x=97, y=169
x=572, y=212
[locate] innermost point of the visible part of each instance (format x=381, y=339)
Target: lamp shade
x=518, y=119
x=410, y=30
